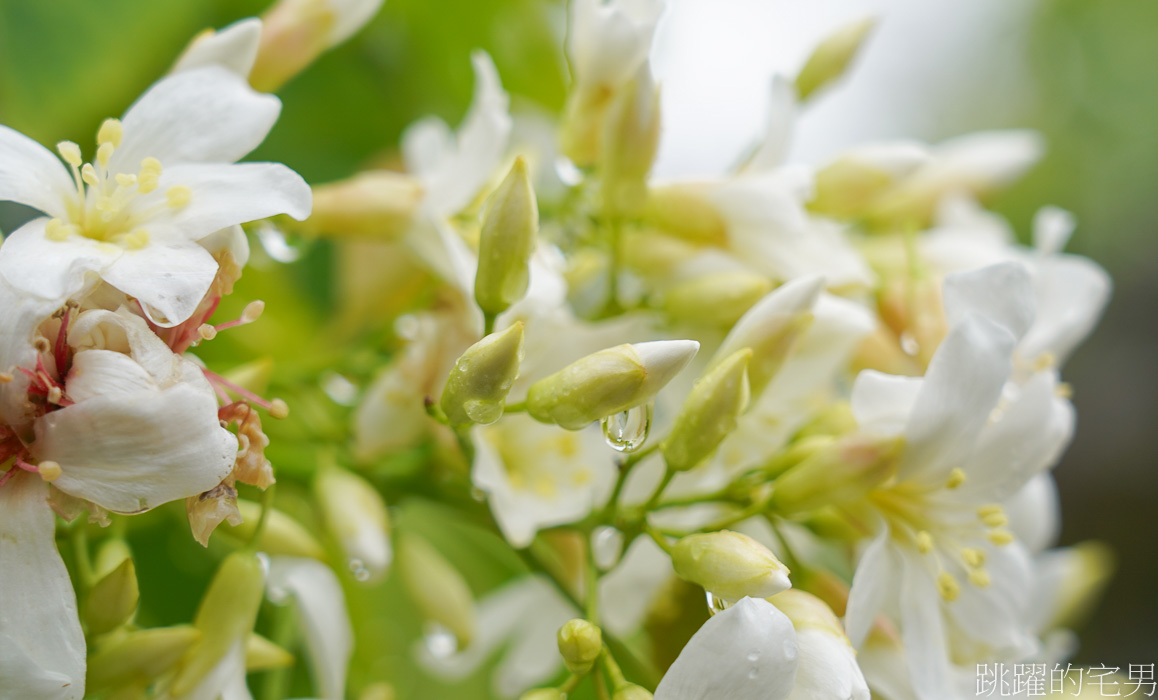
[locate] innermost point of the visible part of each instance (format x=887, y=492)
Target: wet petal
x=826, y=668
x=30, y=174
x=882, y=403
x=321, y=607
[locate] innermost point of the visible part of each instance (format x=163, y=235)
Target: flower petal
x=874, y=579
x=203, y=115
x=1002, y=292
x=827, y=668
x=20, y=317
x=747, y=652
x=169, y=278
x=42, y=648
x=782, y=109
x=52, y=270
x=97, y=373
x=627, y=590
x=882, y=403
x=1034, y=513
x=923, y=633
x=321, y=607
x=133, y=452
x=234, y=48
x=533, y=655
x=961, y=387
x=996, y=615
x=126, y=333
x=30, y=174
x=224, y=195
x=1071, y=292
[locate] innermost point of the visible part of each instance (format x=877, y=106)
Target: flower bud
x=683, y=210
x=506, y=242
x=477, y=387
x=377, y=204
x=544, y=694
x=718, y=299
x=113, y=599
x=729, y=565
x=296, y=32
x=607, y=382
x=771, y=328
x=356, y=516
x=831, y=58
x=281, y=535
x=709, y=414
x=138, y=657
x=631, y=691
x=630, y=140
x=227, y=614
x=436, y=587
x=843, y=471
x=580, y=644
x=263, y=655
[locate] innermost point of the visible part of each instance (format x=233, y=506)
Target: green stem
x=668, y=475
x=658, y=537
x=283, y=634
x=489, y=323
x=790, y=559
x=266, y=506
x=570, y=684
x=516, y=407
x=591, y=582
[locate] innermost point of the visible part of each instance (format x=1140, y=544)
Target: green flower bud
x=477, y=387
x=831, y=58
x=506, y=242
x=631, y=691
x=377, y=204
x=113, y=600
x=282, y=534
x=808, y=612
x=112, y=553
x=771, y=328
x=356, y=516
x=138, y=657
x=580, y=644
x=630, y=141
x=845, y=470
x=729, y=565
x=709, y=414
x=263, y=655
x=436, y=587
x=607, y=382
x=684, y=211
x=226, y=614
x=544, y=694
x=716, y=300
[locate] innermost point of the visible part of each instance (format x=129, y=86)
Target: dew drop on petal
x=439, y=641
x=716, y=604
x=627, y=431
x=359, y=570
x=478, y=494
x=340, y=390
x=909, y=344
x=483, y=412
x=606, y=546
x=568, y=174
x=276, y=245
x=790, y=648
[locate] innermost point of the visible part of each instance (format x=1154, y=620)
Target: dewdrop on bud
x=226, y=616
x=607, y=382
x=709, y=414
x=631, y=691
x=771, y=329
x=630, y=141
x=295, y=32
x=729, y=565
x=832, y=57
x=436, y=587
x=506, y=242
x=477, y=387
x=580, y=644
x=718, y=299
x=376, y=204
x=356, y=516
x=845, y=470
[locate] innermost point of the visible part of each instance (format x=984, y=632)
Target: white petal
x=778, y=131
x=52, y=270
x=30, y=174
x=1034, y=513
x=993, y=158
x=923, y=634
x=627, y=590
x=662, y=360
x=20, y=316
x=532, y=658
x=129, y=453
x=767, y=317
x=233, y=48
x=203, y=115
x=224, y=195
x=606, y=43
x=350, y=16
x=747, y=652
x=874, y=580
x=225, y=681
x=321, y=607
x=827, y=668
x=106, y=373
x=1071, y=292
x=962, y=385
x=1002, y=293
x=1052, y=228
x=126, y=333
x=425, y=144
x=882, y=403
x=886, y=671
x=996, y=615
x=42, y=649
x=168, y=277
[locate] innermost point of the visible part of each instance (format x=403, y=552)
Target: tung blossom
x=162, y=179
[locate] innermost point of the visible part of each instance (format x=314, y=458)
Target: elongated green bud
x=729, y=565
x=226, y=615
x=607, y=382
x=831, y=58
x=716, y=300
x=263, y=655
x=477, y=387
x=685, y=211
x=112, y=553
x=580, y=644
x=845, y=470
x=631, y=691
x=771, y=328
x=282, y=534
x=138, y=657
x=544, y=694
x=436, y=587
x=377, y=204
x=356, y=516
x=506, y=242
x=709, y=414
x=629, y=144
x=113, y=600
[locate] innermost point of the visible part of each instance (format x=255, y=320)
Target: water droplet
x=753, y=673
x=568, y=174
x=440, y=641
x=606, y=546
x=478, y=494
x=790, y=648
x=340, y=390
x=909, y=344
x=407, y=326
x=275, y=243
x=627, y=431
x=754, y=656
x=715, y=604
x=483, y=412
x=359, y=570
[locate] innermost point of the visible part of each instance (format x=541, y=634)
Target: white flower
x=608, y=42
x=162, y=179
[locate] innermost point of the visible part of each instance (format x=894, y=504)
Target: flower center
x=101, y=209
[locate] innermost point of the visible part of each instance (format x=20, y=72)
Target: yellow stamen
x=948, y=587
x=88, y=174
x=56, y=230
x=110, y=133
x=149, y=175
x=956, y=478
x=252, y=311
x=924, y=542
x=1044, y=361
x=995, y=519
x=178, y=196
x=126, y=179
x=278, y=409
x=70, y=152
x=979, y=578
x=104, y=152
x=988, y=510
x=1064, y=390
x=49, y=471
x=1000, y=537
x=206, y=331
x=137, y=239
x=973, y=557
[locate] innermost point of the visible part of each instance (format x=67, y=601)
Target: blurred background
x=1083, y=73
